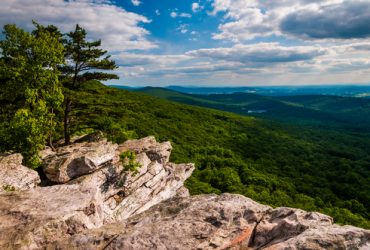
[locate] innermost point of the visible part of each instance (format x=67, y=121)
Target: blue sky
x=217, y=42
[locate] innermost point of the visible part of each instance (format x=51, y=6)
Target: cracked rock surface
x=103, y=206
x=226, y=221
x=91, y=189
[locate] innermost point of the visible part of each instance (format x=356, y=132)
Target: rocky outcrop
x=104, y=206
x=77, y=159
x=96, y=190
x=220, y=222
x=15, y=176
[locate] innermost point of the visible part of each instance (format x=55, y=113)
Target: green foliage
x=84, y=60
x=128, y=159
x=8, y=188
x=30, y=89
x=279, y=165
x=318, y=111
x=82, y=57
x=114, y=131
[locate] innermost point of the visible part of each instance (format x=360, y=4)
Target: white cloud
x=186, y=15
x=156, y=61
x=195, y=7
x=260, y=54
x=136, y=2
x=174, y=14
x=340, y=59
x=264, y=63
x=183, y=28
x=248, y=19
x=157, y=12
x=119, y=29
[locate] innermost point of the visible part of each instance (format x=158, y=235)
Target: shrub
x=128, y=159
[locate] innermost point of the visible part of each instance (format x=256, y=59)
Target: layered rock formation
x=93, y=202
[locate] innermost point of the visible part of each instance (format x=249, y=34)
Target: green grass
x=276, y=164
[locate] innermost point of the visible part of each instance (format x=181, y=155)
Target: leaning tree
x=85, y=61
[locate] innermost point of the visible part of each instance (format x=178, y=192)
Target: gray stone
x=155, y=151
x=14, y=176
x=32, y=219
x=220, y=222
x=75, y=160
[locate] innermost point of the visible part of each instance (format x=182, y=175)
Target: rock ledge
x=95, y=204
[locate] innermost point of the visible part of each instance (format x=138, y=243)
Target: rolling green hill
x=276, y=164
x=331, y=112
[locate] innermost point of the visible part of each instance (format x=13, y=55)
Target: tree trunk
x=50, y=143
x=50, y=140
x=67, y=110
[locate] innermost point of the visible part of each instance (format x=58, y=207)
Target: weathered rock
x=93, y=137
x=75, y=160
x=220, y=222
x=15, y=176
x=284, y=223
x=160, y=186
x=330, y=237
x=155, y=151
x=109, y=194
x=126, y=193
x=47, y=152
x=32, y=219
x=198, y=222
x=103, y=206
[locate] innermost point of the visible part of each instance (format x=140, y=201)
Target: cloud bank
x=304, y=19
x=254, y=41
x=119, y=29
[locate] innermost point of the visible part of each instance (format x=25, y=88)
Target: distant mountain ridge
x=347, y=113
x=338, y=90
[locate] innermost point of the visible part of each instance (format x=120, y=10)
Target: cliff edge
x=100, y=195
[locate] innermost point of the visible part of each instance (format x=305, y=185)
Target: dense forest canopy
x=277, y=164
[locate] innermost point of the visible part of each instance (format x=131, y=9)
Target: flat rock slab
x=220, y=222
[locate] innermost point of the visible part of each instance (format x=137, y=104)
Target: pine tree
x=84, y=60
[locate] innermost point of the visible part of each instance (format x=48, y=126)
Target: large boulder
x=14, y=176
x=32, y=219
x=78, y=159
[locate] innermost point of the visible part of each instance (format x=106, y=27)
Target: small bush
x=129, y=162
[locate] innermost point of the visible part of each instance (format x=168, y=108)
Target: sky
x=217, y=42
